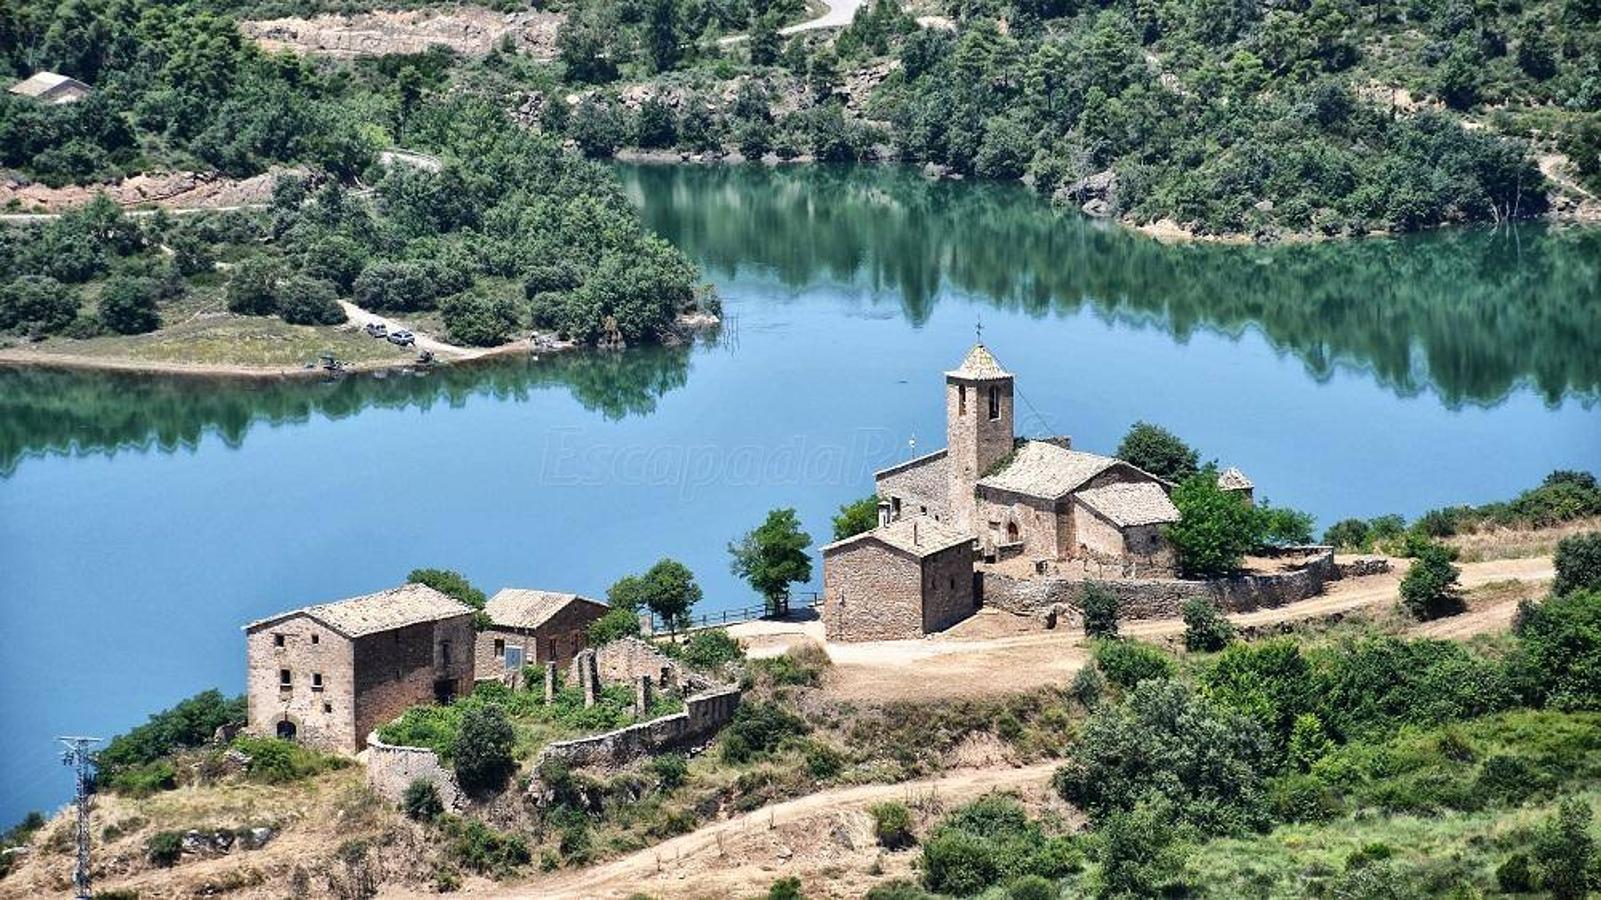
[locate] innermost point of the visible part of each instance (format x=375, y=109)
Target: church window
x=995, y=402
x=895, y=506
x=961, y=399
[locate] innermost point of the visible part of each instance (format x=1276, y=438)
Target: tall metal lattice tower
x=77, y=757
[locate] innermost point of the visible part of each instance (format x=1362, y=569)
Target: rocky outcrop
x=1095, y=194
x=468, y=30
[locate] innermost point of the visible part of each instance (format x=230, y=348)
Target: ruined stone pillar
x=642, y=696
x=589, y=677
x=550, y=680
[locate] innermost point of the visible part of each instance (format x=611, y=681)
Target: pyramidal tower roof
x=979, y=364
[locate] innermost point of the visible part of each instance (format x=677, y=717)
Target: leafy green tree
x=655, y=125
x=190, y=723
x=128, y=305
x=1141, y=853
x=1348, y=534
x=1100, y=608
x=1129, y=662
x=450, y=583
x=483, y=757
x=334, y=258
x=617, y=623
x=669, y=590
x=587, y=43
x=627, y=592
x=1159, y=452
x=597, y=128
x=303, y=300
x=480, y=319
x=662, y=42
x=764, y=40
x=1216, y=528
x=772, y=556
x=1005, y=150
x=856, y=517
x=400, y=286
x=1558, y=657
x=36, y=303
x=1280, y=526
x=1564, y=855
x=1430, y=590
x=1206, y=629
x=253, y=287
x=1308, y=742
x=1578, y=564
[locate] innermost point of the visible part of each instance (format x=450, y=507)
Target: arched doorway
x=1011, y=532
x=286, y=730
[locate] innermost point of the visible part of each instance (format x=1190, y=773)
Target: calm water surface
x=143, y=521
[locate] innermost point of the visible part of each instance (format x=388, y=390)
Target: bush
x=1429, y=590
x=483, y=750
x=1032, y=887
x=142, y=780
x=1514, y=876
x=988, y=842
x=1208, y=761
x=404, y=287
x=1302, y=798
x=710, y=648
x=479, y=320
x=303, y=300
x=128, y=305
x=1558, y=658
x=786, y=889
x=421, y=801
x=614, y=625
x=1141, y=854
x=483, y=849
x=1564, y=853
x=164, y=848
x=1205, y=628
x=1088, y=686
x=1268, y=681
x=1349, y=534
x=759, y=728
x=670, y=769
x=1578, y=563
x=1216, y=528
x=892, y=824
x=37, y=303
x=1159, y=452
x=1100, y=612
x=253, y=287
x=1128, y=662
x=275, y=761
x=190, y=723
x=823, y=761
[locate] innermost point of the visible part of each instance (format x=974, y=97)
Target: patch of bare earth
x=168, y=190
x=468, y=30
x=1507, y=543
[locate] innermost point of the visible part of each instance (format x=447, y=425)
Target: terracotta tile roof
x=409, y=604
x=1233, y=479
x=918, y=535
x=979, y=364
x=525, y=608
x=1126, y=504
x=1047, y=470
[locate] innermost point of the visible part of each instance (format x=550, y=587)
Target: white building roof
x=41, y=83
x=409, y=604
x=918, y=535
x=979, y=365
x=526, y=608
x=1127, y=504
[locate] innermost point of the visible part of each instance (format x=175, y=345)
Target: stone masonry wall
x=390, y=769
x=1161, y=598
x=322, y=718
x=396, y=669
x=703, y=715
x=871, y=593
x=558, y=639
x=626, y=660
x=974, y=441
x=920, y=484
x=1036, y=521
x=948, y=598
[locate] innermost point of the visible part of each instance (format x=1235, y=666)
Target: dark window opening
x=444, y=653
x=961, y=400
x=316, y=681
x=285, y=678
x=953, y=584
x=895, y=506
x=286, y=730
x=277, y=640
x=314, y=639
x=500, y=647
x=923, y=510
x=327, y=707
x=995, y=402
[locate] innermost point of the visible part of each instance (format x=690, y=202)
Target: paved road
x=840, y=13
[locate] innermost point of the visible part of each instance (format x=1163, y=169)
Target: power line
x=78, y=758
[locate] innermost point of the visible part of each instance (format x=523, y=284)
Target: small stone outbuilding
x=327, y=675
x=531, y=627
x=50, y=87
x=903, y=579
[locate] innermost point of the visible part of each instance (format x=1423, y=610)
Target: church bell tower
x=978, y=426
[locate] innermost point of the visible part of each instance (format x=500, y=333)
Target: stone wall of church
x=920, y=485
x=948, y=588
x=975, y=441
x=871, y=593
x=1038, y=526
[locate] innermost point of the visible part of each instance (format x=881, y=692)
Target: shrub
x=128, y=305
x=1302, y=798
x=670, y=769
x=1558, y=656
x=898, y=889
x=1216, y=528
x=1269, y=681
x=1163, y=739
x=421, y=801
x=759, y=728
x=1564, y=853
x=405, y=287
x=1088, y=686
x=142, y=780
x=1128, y=662
x=164, y=847
x=1578, y=563
x=1158, y=451
x=303, y=300
x=1205, y=627
x=483, y=849
x=1514, y=876
x=480, y=320
x=1100, y=612
x=1429, y=590
x=275, y=761
x=483, y=750
x=786, y=889
x=1349, y=534
x=335, y=259
x=823, y=761
x=190, y=723
x=1141, y=854
x=1373, y=685
x=892, y=824
x=1308, y=742
x=1031, y=887
x=614, y=625
x=253, y=287
x=710, y=648
x=37, y=303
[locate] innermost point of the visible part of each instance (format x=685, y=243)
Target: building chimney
x=883, y=513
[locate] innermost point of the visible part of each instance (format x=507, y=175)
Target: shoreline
x=22, y=358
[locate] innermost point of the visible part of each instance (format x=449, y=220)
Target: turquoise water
x=142, y=521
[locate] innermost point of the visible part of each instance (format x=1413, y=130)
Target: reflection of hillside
x=60, y=412
x=1470, y=313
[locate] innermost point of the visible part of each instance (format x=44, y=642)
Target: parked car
x=377, y=329
x=402, y=337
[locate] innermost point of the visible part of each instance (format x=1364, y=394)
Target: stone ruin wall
x=1163, y=598
x=390, y=769
x=703, y=715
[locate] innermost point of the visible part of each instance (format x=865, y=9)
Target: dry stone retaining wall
x=703, y=715
x=1162, y=598
x=390, y=769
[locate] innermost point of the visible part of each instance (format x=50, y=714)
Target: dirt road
x=979, y=657
x=719, y=855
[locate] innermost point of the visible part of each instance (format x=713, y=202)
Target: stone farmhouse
x=533, y=628
x=327, y=675
x=50, y=87
x=991, y=498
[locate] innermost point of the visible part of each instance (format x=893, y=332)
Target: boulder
x=1102, y=186
x=1097, y=208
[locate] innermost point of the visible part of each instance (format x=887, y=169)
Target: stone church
x=1000, y=498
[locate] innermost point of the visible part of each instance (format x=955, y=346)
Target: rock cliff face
x=468, y=30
